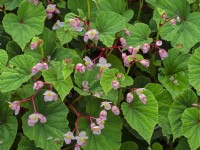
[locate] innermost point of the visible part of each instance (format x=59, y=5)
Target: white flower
x=106, y=105
x=103, y=64
x=57, y=25
x=92, y=35
x=88, y=63
x=50, y=96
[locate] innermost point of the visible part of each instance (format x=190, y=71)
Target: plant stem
x=140, y=9
x=77, y=99
x=128, y=70
x=42, y=51
x=119, y=97
x=3, y=7
x=88, y=3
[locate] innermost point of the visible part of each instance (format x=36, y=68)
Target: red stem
x=48, y=1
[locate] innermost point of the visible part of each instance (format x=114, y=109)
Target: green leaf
x=108, y=24
x=28, y=23
x=10, y=5
x=107, y=77
x=54, y=75
x=3, y=60
x=191, y=127
x=175, y=66
x=127, y=81
x=142, y=117
x=65, y=36
x=11, y=79
x=182, y=102
x=194, y=71
x=180, y=35
x=129, y=146
x=47, y=135
x=116, y=63
x=117, y=6
x=26, y=143
x=110, y=138
x=183, y=144
x=164, y=100
x=13, y=49
x=157, y=146
x=139, y=34
x=8, y=123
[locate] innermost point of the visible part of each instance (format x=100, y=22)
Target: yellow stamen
x=68, y=137
x=10, y=105
x=92, y=33
x=49, y=94
x=86, y=63
x=96, y=129
x=82, y=139
x=51, y=9
x=34, y=118
x=103, y=122
x=102, y=67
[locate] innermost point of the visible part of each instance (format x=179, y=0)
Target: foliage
x=99, y=74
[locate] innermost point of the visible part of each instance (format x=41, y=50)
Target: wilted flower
x=80, y=68
x=115, y=110
x=103, y=64
x=129, y=97
x=92, y=35
x=68, y=137
x=15, y=106
x=144, y=62
x=115, y=84
x=38, y=85
x=50, y=96
x=88, y=63
x=163, y=54
x=106, y=105
x=76, y=24
x=145, y=48
x=57, y=25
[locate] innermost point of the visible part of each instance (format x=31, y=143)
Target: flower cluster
x=50, y=10
x=81, y=139
x=139, y=92
x=76, y=24
x=57, y=25
x=35, y=2
x=35, y=42
x=33, y=118
x=38, y=67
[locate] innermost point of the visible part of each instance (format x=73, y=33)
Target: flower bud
x=115, y=84
x=164, y=16
x=80, y=68
x=123, y=42
x=127, y=32
x=163, y=54
x=33, y=46
x=103, y=114
x=38, y=85
x=178, y=19
x=145, y=48
x=34, y=70
x=159, y=43
x=143, y=98
x=173, y=21
x=129, y=97
x=115, y=110
x=124, y=56
x=144, y=62
x=132, y=50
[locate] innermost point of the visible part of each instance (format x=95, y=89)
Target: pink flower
x=115, y=110
x=133, y=50
x=106, y=105
x=85, y=85
x=145, y=48
x=139, y=91
x=34, y=70
x=143, y=98
x=50, y=96
x=39, y=66
x=96, y=130
x=115, y=84
x=123, y=42
x=173, y=21
x=159, y=43
x=38, y=85
x=76, y=24
x=128, y=60
x=144, y=62
x=80, y=68
x=33, y=118
x=50, y=8
x=103, y=114
x=92, y=35
x=33, y=46
x=68, y=137
x=124, y=56
x=88, y=63
x=49, y=15
x=129, y=97
x=45, y=66
x=127, y=32
x=119, y=75
x=77, y=147
x=163, y=54
x=100, y=122
x=15, y=106
x=103, y=63
x=57, y=25
x=81, y=138
x=57, y=11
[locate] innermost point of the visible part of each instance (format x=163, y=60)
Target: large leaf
x=117, y=6
x=8, y=123
x=10, y=5
x=182, y=102
x=12, y=78
x=26, y=143
x=130, y=145
x=175, y=66
x=28, y=23
x=142, y=117
x=139, y=34
x=164, y=103
x=108, y=24
x=54, y=75
x=191, y=127
x=181, y=34
x=3, y=60
x=47, y=135
x=194, y=70
x=110, y=138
